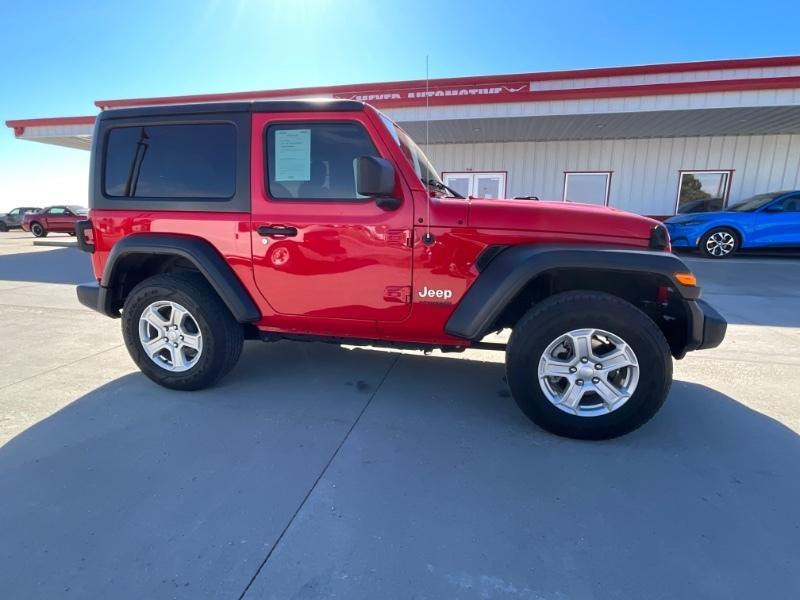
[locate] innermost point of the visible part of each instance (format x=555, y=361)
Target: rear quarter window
x=191, y=161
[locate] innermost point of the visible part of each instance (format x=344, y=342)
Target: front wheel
x=719, y=242
x=179, y=333
x=588, y=365
x=38, y=230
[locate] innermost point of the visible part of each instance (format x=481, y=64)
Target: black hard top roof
x=320, y=105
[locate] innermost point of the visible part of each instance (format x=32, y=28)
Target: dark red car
x=61, y=218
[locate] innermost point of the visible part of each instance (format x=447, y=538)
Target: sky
x=57, y=58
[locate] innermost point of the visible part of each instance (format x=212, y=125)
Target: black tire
x=222, y=336
x=38, y=230
x=568, y=311
x=706, y=244
x=3, y=226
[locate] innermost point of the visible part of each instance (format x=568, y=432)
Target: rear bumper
x=93, y=295
x=706, y=326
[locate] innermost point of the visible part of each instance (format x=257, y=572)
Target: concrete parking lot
x=316, y=471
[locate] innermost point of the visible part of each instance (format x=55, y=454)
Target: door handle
x=272, y=230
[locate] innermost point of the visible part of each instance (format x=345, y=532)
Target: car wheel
x=719, y=242
x=3, y=226
x=179, y=332
x=38, y=230
x=588, y=365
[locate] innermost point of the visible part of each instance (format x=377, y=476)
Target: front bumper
x=94, y=296
x=706, y=326
x=683, y=237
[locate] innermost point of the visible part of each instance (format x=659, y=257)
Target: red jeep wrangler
x=322, y=220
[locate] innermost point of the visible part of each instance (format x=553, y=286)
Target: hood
x=559, y=217
x=695, y=217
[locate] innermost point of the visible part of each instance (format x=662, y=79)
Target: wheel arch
x=518, y=277
x=137, y=257
x=736, y=228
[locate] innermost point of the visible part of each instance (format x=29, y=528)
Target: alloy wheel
x=720, y=243
x=588, y=372
x=170, y=336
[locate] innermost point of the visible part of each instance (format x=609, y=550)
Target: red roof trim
x=656, y=89
x=627, y=91
x=396, y=86
x=704, y=65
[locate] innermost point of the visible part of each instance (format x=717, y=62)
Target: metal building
x=653, y=139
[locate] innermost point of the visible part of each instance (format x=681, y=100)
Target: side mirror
x=375, y=178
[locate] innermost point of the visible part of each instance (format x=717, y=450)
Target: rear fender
x=200, y=253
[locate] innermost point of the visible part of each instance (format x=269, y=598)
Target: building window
x=171, y=161
x=477, y=184
x=315, y=161
x=591, y=187
x=703, y=191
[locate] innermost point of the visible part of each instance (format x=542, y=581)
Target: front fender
x=504, y=277
x=739, y=228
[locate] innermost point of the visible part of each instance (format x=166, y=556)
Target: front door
x=779, y=223
x=319, y=249
x=58, y=218
x=14, y=218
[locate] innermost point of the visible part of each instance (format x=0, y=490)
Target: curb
x=59, y=244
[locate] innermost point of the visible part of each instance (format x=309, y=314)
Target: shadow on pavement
x=442, y=490
x=64, y=265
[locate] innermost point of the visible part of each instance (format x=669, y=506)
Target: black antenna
x=427, y=239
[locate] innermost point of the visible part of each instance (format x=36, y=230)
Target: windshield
x=755, y=202
x=422, y=166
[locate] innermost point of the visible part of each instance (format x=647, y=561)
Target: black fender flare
x=510, y=269
x=197, y=251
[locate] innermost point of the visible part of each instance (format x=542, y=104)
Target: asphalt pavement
x=319, y=471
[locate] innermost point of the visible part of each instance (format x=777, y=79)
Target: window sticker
x=293, y=155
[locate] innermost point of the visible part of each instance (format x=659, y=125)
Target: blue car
x=764, y=221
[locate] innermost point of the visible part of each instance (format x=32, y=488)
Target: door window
x=790, y=204
x=14, y=212
x=477, y=185
x=703, y=191
x=58, y=210
x=315, y=161
x=587, y=187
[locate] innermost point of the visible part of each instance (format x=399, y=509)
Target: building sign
x=419, y=95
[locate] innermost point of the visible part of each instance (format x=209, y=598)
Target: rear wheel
x=38, y=230
x=719, y=242
x=3, y=226
x=179, y=333
x=588, y=365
